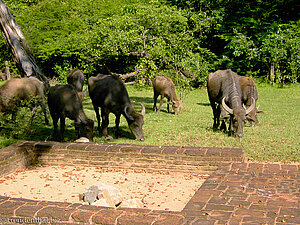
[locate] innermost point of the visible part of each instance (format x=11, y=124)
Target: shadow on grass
x=124, y=133
x=203, y=104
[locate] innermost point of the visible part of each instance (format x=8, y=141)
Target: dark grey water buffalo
x=165, y=87
x=17, y=90
x=76, y=78
x=249, y=92
x=63, y=101
x=109, y=93
x=224, y=89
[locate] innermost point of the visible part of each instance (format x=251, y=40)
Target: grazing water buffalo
x=249, y=92
x=63, y=101
x=76, y=78
x=165, y=87
x=109, y=93
x=17, y=90
x=224, y=89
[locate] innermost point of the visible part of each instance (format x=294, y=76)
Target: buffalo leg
x=62, y=127
x=55, y=121
x=216, y=113
x=96, y=108
x=223, y=125
x=223, y=113
x=44, y=109
x=155, y=100
x=117, y=121
x=161, y=102
x=105, y=122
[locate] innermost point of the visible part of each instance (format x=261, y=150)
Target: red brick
x=271, y=168
x=289, y=167
x=258, y=220
x=234, y=220
x=27, y=211
x=54, y=212
x=239, y=203
x=82, y=216
x=220, y=215
x=219, y=200
x=213, y=152
x=192, y=206
x=169, y=219
x=223, y=207
x=255, y=167
x=249, y=212
x=106, y=216
x=7, y=208
x=139, y=219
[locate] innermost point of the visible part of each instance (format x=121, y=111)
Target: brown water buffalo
x=17, y=90
x=249, y=92
x=165, y=87
x=224, y=89
x=109, y=93
x=76, y=78
x=63, y=101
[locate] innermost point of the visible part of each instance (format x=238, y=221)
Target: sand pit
x=159, y=190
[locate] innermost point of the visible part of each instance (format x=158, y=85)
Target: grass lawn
x=277, y=138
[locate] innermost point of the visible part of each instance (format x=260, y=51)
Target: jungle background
x=182, y=39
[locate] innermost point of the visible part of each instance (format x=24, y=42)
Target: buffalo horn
x=127, y=115
x=143, y=112
x=226, y=107
x=251, y=107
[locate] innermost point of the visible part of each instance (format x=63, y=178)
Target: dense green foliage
x=275, y=139
x=166, y=37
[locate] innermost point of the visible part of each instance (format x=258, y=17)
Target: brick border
x=237, y=192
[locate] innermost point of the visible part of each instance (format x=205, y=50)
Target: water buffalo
x=17, y=90
x=76, y=78
x=63, y=101
x=165, y=87
x=249, y=92
x=223, y=88
x=109, y=93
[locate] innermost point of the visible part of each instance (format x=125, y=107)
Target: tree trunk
x=272, y=73
x=17, y=43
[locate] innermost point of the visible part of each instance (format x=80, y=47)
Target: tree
x=16, y=41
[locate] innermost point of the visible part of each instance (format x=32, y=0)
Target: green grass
x=277, y=138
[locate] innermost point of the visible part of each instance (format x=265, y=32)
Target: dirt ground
x=157, y=190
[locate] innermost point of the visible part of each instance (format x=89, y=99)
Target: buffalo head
x=238, y=117
x=85, y=128
x=136, y=122
x=176, y=106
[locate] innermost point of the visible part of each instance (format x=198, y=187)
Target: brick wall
x=106, y=155
x=111, y=155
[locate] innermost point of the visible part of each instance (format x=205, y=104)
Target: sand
x=157, y=190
